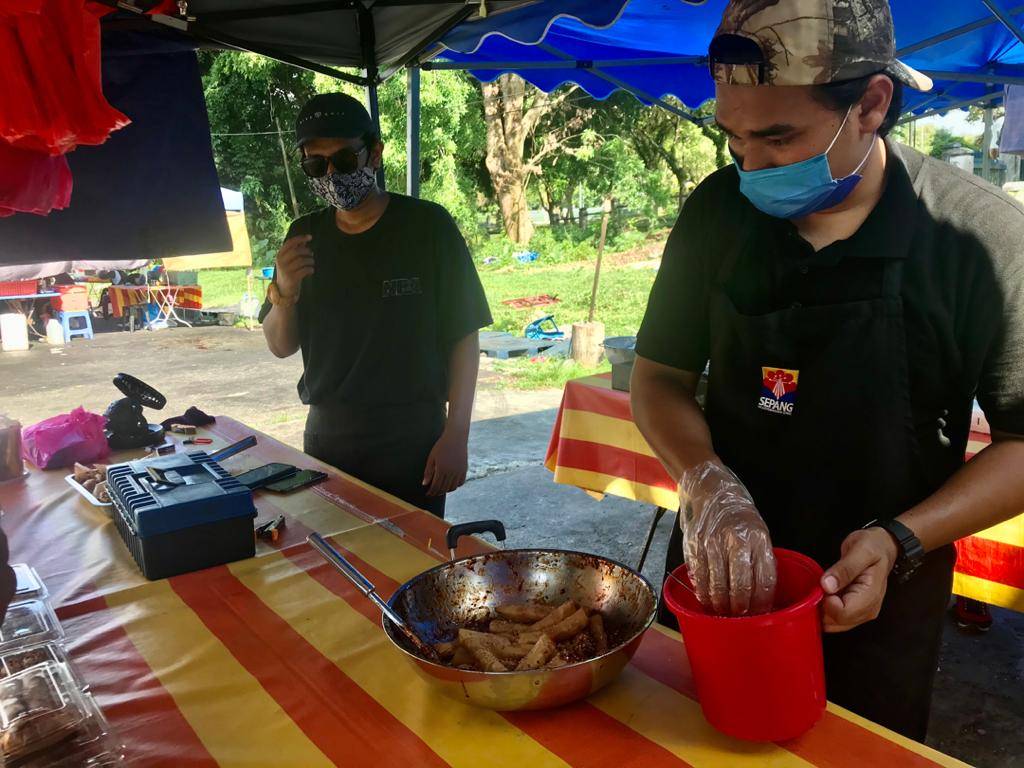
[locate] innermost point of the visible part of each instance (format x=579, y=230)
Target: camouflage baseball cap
x=807, y=42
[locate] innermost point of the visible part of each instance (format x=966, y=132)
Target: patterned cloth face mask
x=344, y=190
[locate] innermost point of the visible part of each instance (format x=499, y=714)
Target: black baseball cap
x=332, y=116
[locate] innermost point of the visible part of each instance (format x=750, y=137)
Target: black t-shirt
x=383, y=309
x=963, y=284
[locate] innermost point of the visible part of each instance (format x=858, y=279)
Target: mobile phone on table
x=300, y=479
x=265, y=475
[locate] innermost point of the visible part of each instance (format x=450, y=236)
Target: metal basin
x=439, y=601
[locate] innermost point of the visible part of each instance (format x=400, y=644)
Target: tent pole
x=567, y=63
x=1014, y=77
x=1005, y=18
x=955, y=105
x=952, y=34
x=412, y=132
x=368, y=43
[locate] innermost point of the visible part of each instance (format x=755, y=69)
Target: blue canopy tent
x=656, y=48
x=650, y=48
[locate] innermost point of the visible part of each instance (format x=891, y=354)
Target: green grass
x=224, y=287
x=542, y=372
x=622, y=298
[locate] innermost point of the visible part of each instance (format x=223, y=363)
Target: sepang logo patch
x=778, y=390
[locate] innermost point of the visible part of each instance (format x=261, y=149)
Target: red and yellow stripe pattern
x=597, y=447
x=278, y=661
x=125, y=296
x=990, y=564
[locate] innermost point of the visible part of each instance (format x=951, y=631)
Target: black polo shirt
x=962, y=242
x=379, y=316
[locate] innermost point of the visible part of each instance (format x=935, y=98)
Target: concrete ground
x=978, y=712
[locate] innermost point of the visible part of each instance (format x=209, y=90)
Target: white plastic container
x=54, y=333
x=13, y=332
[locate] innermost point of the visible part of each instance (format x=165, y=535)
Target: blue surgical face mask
x=798, y=190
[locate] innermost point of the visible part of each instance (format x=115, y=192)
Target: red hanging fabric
x=51, y=99
x=32, y=182
x=50, y=55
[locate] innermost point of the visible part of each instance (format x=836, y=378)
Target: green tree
x=246, y=97
x=664, y=139
x=944, y=139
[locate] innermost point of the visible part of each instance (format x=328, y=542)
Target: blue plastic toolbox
x=181, y=513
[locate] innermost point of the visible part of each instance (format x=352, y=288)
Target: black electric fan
x=127, y=426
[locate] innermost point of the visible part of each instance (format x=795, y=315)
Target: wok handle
x=364, y=585
x=456, y=532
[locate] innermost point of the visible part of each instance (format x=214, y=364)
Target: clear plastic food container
x=31, y=622
x=30, y=586
x=91, y=746
x=18, y=660
x=41, y=708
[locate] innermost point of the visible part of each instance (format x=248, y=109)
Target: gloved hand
x=726, y=543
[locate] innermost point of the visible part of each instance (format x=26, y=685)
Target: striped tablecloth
x=182, y=296
x=278, y=661
x=596, y=446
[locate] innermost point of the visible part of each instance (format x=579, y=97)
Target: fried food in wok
x=529, y=636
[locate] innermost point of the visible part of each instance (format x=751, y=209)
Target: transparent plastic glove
x=726, y=543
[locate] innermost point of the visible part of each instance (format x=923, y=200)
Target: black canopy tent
x=378, y=37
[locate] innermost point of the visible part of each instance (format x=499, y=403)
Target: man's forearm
x=281, y=330
x=986, y=491
x=463, y=367
x=668, y=416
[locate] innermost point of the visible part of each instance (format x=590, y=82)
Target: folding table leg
x=658, y=514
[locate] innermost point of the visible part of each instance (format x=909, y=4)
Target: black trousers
x=385, y=446
x=883, y=670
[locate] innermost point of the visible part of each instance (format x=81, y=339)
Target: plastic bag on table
x=62, y=440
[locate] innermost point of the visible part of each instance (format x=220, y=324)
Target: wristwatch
x=278, y=299
x=911, y=553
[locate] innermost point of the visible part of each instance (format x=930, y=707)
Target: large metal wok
x=437, y=602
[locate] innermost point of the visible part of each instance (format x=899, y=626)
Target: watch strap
x=911, y=551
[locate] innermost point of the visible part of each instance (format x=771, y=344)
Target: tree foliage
x=489, y=150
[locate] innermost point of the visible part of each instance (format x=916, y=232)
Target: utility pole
x=287, y=167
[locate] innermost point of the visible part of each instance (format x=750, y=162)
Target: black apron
x=810, y=406
x=385, y=446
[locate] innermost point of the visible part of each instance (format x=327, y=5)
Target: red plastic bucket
x=759, y=678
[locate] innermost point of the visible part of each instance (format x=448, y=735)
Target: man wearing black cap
x=379, y=292
x=852, y=297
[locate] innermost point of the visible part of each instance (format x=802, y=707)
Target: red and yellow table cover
x=182, y=296
x=278, y=661
x=597, y=447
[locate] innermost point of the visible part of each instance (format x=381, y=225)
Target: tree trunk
x=586, y=343
x=510, y=121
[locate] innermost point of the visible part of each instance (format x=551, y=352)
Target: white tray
x=88, y=495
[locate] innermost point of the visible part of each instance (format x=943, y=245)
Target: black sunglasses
x=345, y=160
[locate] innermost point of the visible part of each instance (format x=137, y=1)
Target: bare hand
x=855, y=586
x=294, y=263
x=447, y=465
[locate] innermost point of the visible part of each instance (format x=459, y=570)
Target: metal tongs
x=364, y=585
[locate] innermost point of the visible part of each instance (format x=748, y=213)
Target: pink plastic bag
x=62, y=440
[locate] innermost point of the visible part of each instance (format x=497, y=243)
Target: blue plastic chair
x=85, y=330
x=544, y=328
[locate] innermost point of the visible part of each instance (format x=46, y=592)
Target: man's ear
x=874, y=105
x=376, y=158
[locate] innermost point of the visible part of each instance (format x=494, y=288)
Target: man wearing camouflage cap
x=853, y=297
